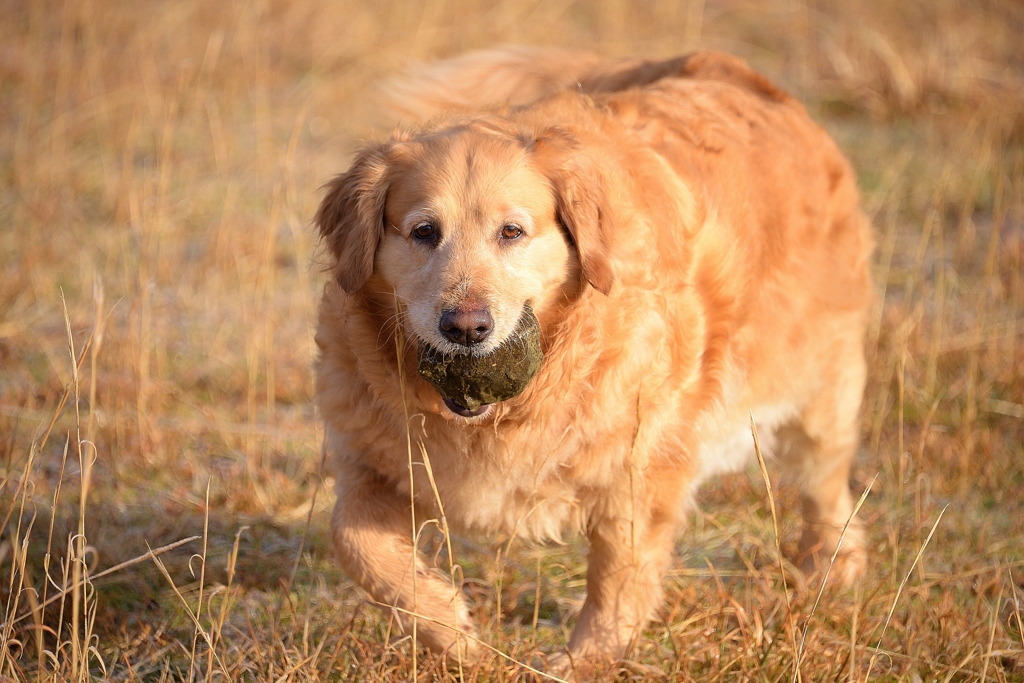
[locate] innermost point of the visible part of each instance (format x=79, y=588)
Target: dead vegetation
x=159, y=169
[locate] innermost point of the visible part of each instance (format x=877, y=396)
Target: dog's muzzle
x=469, y=383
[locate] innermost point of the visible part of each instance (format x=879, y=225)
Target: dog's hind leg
x=372, y=537
x=818, y=450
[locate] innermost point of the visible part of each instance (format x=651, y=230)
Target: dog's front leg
x=630, y=547
x=372, y=536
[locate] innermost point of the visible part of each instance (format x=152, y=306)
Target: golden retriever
x=692, y=247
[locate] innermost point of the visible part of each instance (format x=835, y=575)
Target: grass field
x=159, y=168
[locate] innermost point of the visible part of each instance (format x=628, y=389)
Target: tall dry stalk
x=778, y=546
x=400, y=356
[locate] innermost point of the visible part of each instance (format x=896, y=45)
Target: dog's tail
x=515, y=76
x=485, y=80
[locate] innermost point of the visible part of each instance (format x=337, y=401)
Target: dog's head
x=466, y=225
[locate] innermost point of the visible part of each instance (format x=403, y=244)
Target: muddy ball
x=472, y=381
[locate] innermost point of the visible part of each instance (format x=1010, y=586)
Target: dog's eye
x=424, y=231
x=511, y=232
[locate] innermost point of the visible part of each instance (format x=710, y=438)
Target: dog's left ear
x=581, y=202
x=351, y=217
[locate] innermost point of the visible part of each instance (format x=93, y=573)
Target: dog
x=692, y=247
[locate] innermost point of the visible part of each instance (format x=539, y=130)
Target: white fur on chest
x=512, y=483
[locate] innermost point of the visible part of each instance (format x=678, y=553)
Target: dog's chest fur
x=538, y=478
x=498, y=480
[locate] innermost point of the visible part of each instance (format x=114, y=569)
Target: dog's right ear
x=351, y=217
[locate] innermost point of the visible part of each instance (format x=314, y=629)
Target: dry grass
x=159, y=166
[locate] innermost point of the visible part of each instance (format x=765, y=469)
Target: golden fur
x=694, y=252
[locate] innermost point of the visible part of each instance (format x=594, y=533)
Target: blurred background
x=159, y=168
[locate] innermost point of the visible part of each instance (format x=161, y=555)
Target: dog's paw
x=562, y=665
x=456, y=639
x=818, y=544
x=463, y=653
x=579, y=669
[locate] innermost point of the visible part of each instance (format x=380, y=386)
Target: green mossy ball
x=472, y=381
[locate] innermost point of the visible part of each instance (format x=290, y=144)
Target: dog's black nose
x=467, y=327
